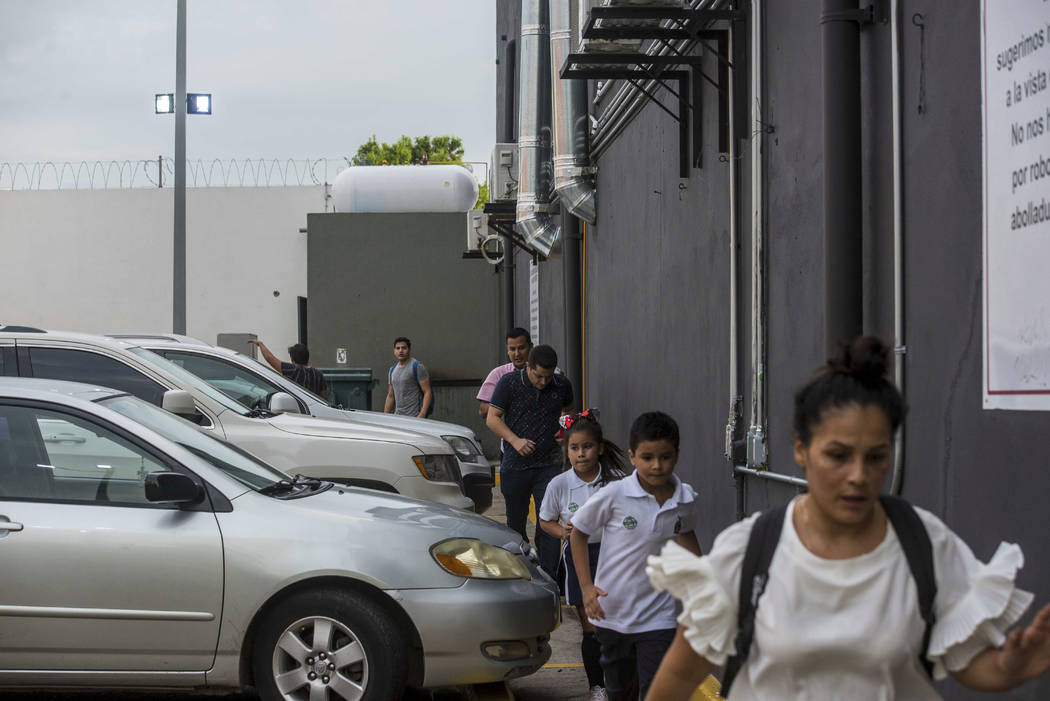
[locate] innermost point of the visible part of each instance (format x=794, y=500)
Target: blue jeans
x=517, y=486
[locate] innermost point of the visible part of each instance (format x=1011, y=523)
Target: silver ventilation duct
x=534, y=131
x=571, y=127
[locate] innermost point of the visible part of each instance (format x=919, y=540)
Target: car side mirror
x=179, y=402
x=284, y=403
x=173, y=488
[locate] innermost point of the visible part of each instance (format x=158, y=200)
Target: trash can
x=349, y=388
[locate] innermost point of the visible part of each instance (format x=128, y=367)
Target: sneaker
x=597, y=693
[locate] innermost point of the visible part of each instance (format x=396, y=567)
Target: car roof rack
x=21, y=329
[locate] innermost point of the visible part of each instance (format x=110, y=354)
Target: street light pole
x=179, y=253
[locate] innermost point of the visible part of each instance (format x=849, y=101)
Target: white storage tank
x=436, y=188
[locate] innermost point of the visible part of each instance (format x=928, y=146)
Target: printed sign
x=1015, y=65
x=340, y=356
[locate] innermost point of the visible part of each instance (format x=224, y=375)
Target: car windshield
x=188, y=378
x=276, y=377
x=245, y=468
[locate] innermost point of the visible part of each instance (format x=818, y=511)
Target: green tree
x=483, y=196
x=408, y=151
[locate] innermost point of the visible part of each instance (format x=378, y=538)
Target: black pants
x=630, y=660
x=518, y=486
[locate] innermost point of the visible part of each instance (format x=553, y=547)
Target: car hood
x=336, y=428
x=408, y=517
x=408, y=423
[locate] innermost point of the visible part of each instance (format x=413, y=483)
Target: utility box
x=238, y=342
x=503, y=173
x=349, y=388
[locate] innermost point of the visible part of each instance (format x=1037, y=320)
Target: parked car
x=251, y=383
x=396, y=460
x=139, y=551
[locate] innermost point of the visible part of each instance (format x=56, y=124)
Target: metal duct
x=571, y=127
x=534, y=131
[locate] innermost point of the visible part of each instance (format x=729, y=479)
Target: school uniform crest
x=630, y=523
x=572, y=507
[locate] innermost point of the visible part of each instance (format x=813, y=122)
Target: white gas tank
x=436, y=188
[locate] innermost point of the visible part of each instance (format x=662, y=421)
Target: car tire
x=329, y=643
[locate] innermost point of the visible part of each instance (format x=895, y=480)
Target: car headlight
x=467, y=557
x=464, y=449
x=437, y=468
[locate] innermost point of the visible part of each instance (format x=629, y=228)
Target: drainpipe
x=573, y=355
x=898, y=238
x=756, y=434
x=571, y=127
x=534, y=131
x=843, y=270
x=733, y=421
x=507, y=266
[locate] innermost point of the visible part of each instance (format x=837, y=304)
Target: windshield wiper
x=292, y=485
x=259, y=414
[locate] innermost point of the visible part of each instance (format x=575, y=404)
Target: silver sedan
x=139, y=552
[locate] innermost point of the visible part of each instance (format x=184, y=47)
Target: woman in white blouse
x=839, y=617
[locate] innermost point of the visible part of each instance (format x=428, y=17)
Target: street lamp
x=180, y=103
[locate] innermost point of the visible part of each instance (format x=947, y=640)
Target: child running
x=634, y=624
x=595, y=463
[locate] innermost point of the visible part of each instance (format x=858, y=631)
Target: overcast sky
x=290, y=78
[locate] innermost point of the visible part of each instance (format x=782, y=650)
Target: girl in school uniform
x=837, y=612
x=594, y=463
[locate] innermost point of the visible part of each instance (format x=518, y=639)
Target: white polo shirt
x=565, y=494
x=632, y=527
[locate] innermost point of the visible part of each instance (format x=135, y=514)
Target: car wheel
x=329, y=644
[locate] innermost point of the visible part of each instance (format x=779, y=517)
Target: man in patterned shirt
x=524, y=412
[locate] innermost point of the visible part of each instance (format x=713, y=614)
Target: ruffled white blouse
x=843, y=629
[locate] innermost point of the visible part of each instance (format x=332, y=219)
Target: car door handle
x=10, y=526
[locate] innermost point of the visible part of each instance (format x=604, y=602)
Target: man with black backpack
x=409, y=392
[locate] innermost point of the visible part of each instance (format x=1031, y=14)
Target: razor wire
x=160, y=172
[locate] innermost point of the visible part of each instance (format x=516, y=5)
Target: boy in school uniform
x=634, y=623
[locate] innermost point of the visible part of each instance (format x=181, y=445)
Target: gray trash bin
x=349, y=388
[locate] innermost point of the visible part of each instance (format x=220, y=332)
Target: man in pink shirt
x=519, y=343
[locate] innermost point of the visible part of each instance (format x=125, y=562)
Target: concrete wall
x=657, y=332
x=374, y=277
x=100, y=260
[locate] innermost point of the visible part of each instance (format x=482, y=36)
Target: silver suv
x=138, y=551
x=250, y=382
x=404, y=462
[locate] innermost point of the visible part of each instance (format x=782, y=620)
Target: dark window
x=93, y=369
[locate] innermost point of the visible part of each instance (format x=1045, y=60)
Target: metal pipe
x=843, y=269
x=772, y=476
x=572, y=362
x=508, y=82
x=571, y=129
x=756, y=434
x=509, y=135
x=534, y=131
x=898, y=237
x=734, y=374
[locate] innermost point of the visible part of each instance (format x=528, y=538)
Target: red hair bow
x=567, y=420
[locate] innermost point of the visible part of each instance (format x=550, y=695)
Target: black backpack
x=754, y=574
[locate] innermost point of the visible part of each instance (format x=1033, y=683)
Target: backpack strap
x=918, y=550
x=415, y=370
x=761, y=546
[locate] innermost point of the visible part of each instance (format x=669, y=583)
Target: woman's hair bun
x=865, y=358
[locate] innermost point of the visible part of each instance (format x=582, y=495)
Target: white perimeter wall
x=101, y=260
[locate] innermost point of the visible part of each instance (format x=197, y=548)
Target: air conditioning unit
x=477, y=229
x=503, y=173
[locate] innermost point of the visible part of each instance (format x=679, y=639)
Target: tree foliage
x=408, y=151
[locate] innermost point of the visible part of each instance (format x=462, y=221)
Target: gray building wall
x=374, y=277
x=657, y=331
